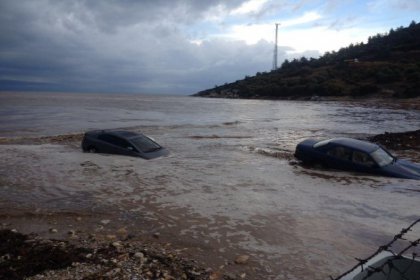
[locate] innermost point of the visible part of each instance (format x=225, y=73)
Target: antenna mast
x=275, y=48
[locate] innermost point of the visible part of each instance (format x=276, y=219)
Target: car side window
x=114, y=140
x=362, y=158
x=121, y=143
x=342, y=153
x=106, y=138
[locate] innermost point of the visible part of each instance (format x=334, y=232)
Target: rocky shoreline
x=32, y=257
x=409, y=140
x=372, y=99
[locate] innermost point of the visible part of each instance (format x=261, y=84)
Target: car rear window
x=322, y=143
x=145, y=144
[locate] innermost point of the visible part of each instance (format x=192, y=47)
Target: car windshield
x=381, y=157
x=145, y=144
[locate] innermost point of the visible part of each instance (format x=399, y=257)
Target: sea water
x=230, y=185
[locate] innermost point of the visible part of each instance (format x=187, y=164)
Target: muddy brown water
x=230, y=186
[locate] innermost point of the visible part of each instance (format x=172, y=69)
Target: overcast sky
x=174, y=46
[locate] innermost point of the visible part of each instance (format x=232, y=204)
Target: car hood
x=403, y=169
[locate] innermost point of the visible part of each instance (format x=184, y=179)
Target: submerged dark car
x=355, y=155
x=123, y=143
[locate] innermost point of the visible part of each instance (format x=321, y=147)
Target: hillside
x=388, y=65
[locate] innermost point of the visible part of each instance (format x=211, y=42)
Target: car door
x=363, y=162
x=125, y=148
x=339, y=157
x=114, y=144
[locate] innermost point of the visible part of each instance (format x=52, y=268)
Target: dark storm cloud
x=117, y=46
x=112, y=14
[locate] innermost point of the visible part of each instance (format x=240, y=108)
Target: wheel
x=92, y=150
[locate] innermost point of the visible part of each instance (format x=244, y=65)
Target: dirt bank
x=409, y=140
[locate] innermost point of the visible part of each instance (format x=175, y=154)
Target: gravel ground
x=31, y=257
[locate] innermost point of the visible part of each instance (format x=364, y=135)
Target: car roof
x=123, y=133
x=120, y=133
x=355, y=144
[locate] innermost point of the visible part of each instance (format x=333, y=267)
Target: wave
x=56, y=139
x=214, y=136
x=276, y=153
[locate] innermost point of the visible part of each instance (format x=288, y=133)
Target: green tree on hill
x=388, y=64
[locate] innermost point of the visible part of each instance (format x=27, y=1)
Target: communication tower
x=275, y=48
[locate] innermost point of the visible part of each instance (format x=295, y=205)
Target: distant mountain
x=388, y=65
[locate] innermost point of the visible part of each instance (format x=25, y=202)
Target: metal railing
x=387, y=266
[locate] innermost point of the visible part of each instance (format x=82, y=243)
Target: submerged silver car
x=122, y=142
